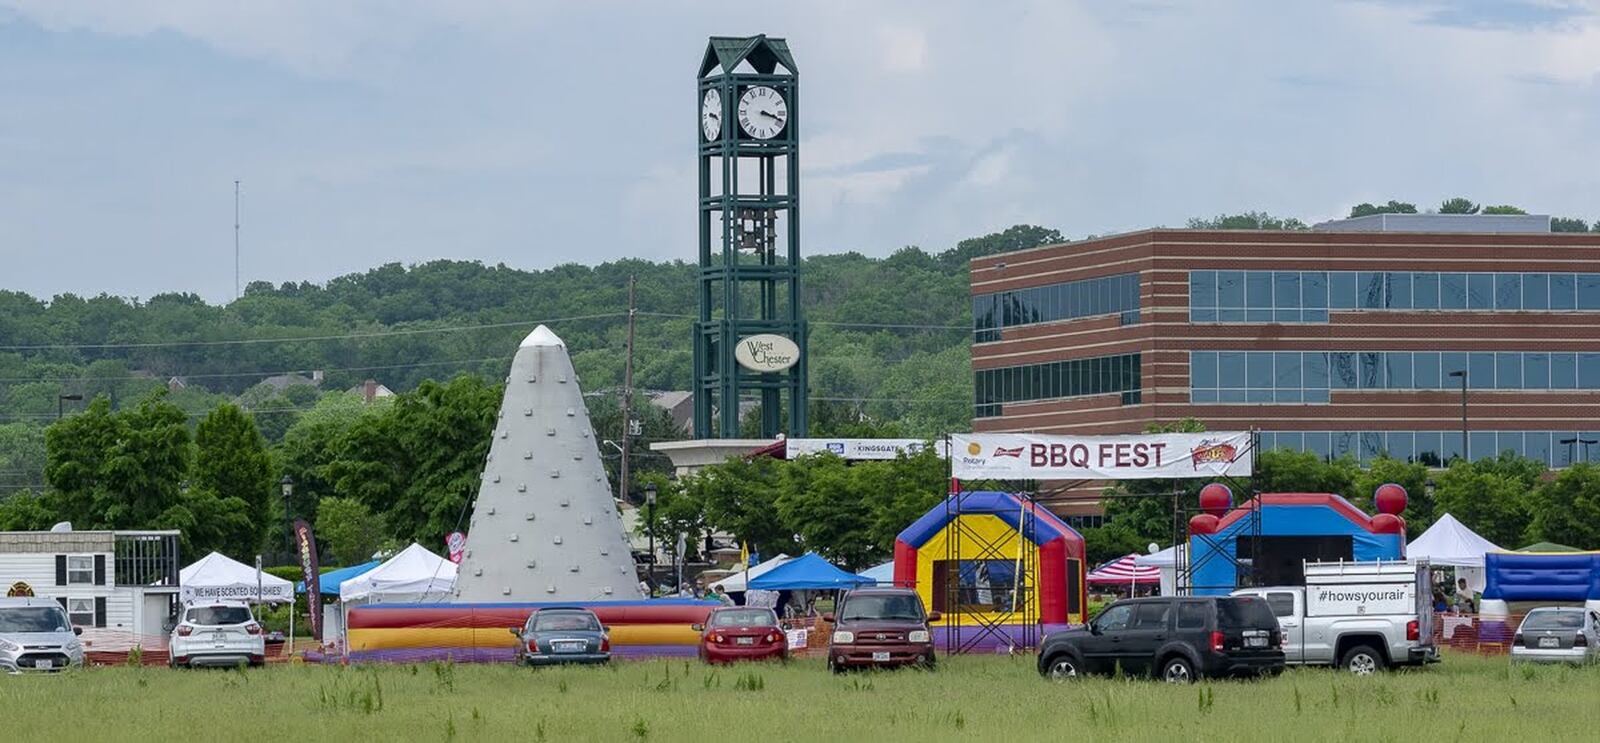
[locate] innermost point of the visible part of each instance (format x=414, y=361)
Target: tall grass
x=977, y=698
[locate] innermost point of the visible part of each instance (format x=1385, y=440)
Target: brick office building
x=1339, y=340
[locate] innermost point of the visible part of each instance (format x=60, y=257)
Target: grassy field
x=978, y=699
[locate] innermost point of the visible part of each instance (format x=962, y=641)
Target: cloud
x=541, y=133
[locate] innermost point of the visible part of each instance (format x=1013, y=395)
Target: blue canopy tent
x=808, y=572
x=329, y=582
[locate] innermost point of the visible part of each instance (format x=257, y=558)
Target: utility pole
x=627, y=402
x=236, y=239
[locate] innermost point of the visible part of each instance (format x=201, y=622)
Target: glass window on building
x=1508, y=371
x=1341, y=290
x=1563, y=291
x=1343, y=373
x=1397, y=292
x=1425, y=291
x=1369, y=290
x=1563, y=371
x=1536, y=371
x=1508, y=291
x=1536, y=445
x=1398, y=368
x=1452, y=291
x=1451, y=361
x=1371, y=371
x=1286, y=296
x=1450, y=446
x=1480, y=291
x=1425, y=370
x=1589, y=291
x=1483, y=445
x=1536, y=291
x=1400, y=445
x=1203, y=369
x=1343, y=444
x=1258, y=296
x=1316, y=371
x=1480, y=370
x=1317, y=443
x=1589, y=371
x=1429, y=451
x=1371, y=446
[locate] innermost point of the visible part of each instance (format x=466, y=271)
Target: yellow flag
x=744, y=554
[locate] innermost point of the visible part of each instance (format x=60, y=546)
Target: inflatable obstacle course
x=479, y=632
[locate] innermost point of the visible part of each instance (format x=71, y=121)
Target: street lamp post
x=1572, y=444
x=1466, y=451
x=287, y=483
x=61, y=400
x=650, y=526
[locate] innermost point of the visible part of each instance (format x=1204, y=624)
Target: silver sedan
x=1552, y=634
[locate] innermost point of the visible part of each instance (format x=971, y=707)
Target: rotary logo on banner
x=1020, y=456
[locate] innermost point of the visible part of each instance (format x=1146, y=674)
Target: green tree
x=1017, y=237
x=25, y=511
x=1393, y=207
x=1458, y=205
x=823, y=503
x=1412, y=476
x=1503, y=209
x=1145, y=507
x=1111, y=541
x=1294, y=471
x=1492, y=503
x=352, y=531
x=739, y=496
x=1568, y=224
x=231, y=462
x=1566, y=509
x=1247, y=221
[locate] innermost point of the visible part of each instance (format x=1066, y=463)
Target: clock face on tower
x=711, y=114
x=762, y=112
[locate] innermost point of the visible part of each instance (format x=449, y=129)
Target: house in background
x=120, y=586
x=370, y=390
x=281, y=382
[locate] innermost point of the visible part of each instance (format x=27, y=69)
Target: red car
x=739, y=633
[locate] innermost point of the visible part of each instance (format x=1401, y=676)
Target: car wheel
x=1361, y=660
x=1178, y=671
x=1062, y=667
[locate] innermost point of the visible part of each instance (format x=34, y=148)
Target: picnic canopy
x=1125, y=571
x=736, y=582
x=1548, y=547
x=882, y=575
x=328, y=583
x=1450, y=543
x=414, y=575
x=217, y=576
x=807, y=572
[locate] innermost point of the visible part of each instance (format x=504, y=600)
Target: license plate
x=744, y=640
x=880, y=657
x=570, y=647
x=1549, y=642
x=44, y=665
x=1255, y=642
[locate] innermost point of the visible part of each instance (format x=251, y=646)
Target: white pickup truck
x=1360, y=616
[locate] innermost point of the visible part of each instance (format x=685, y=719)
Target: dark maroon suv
x=879, y=627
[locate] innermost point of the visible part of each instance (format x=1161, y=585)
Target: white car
x=1558, y=634
x=217, y=633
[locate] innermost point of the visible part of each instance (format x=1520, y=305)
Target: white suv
x=217, y=633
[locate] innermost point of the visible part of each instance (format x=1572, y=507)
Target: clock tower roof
x=765, y=55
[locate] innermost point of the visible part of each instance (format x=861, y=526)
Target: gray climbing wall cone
x=544, y=526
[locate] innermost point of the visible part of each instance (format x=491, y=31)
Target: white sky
x=533, y=134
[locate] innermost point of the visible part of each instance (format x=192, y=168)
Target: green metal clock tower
x=750, y=336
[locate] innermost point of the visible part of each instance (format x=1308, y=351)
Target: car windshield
x=32, y=619
x=882, y=607
x=1244, y=612
x=214, y=615
x=1553, y=620
x=565, y=621
x=744, y=618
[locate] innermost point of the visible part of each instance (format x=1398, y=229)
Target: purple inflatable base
x=488, y=655
x=976, y=639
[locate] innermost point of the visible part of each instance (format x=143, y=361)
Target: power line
x=227, y=375
x=308, y=338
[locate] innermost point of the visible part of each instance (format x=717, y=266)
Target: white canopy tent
x=736, y=582
x=414, y=575
x=1167, y=561
x=883, y=574
x=1449, y=543
x=217, y=576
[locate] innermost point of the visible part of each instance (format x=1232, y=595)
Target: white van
x=35, y=635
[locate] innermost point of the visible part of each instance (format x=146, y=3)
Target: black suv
x=1179, y=638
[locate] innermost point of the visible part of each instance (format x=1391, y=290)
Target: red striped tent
x=1123, y=571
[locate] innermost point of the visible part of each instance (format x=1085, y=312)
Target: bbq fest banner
x=306, y=545
x=1022, y=456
